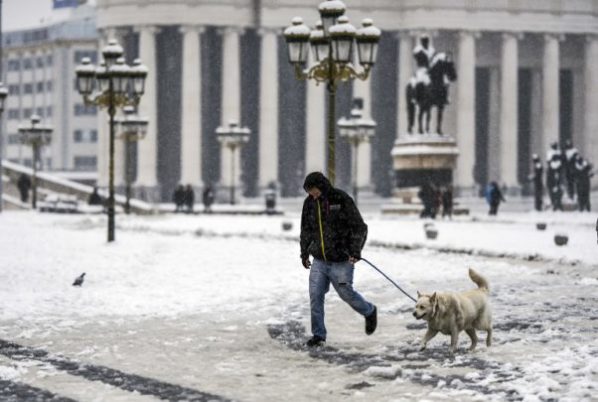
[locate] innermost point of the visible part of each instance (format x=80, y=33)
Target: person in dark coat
x=208, y=198
x=189, y=198
x=427, y=195
x=178, y=197
x=447, y=202
x=537, y=178
x=333, y=233
x=583, y=177
x=553, y=182
x=24, y=184
x=570, y=156
x=94, y=198
x=494, y=197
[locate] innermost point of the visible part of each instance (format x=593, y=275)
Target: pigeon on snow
x=79, y=280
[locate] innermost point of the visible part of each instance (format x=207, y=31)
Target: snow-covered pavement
x=215, y=308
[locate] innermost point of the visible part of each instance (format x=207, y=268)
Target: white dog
x=451, y=313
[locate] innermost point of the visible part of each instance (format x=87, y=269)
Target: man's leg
x=341, y=276
x=318, y=287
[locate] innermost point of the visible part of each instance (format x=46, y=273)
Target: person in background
x=447, y=202
x=494, y=197
x=208, y=198
x=178, y=197
x=24, y=184
x=94, y=197
x=189, y=198
x=537, y=178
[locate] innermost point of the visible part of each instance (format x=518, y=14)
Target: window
x=80, y=54
x=39, y=111
x=83, y=110
x=14, y=114
x=28, y=88
x=14, y=65
x=49, y=60
x=40, y=62
x=14, y=89
x=14, y=139
x=40, y=87
x=90, y=136
x=85, y=163
x=49, y=86
x=27, y=64
x=49, y=111
x=27, y=113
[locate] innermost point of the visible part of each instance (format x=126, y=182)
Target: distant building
x=39, y=72
x=527, y=77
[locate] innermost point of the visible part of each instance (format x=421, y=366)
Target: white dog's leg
x=489, y=336
x=429, y=335
x=474, y=338
x=454, y=340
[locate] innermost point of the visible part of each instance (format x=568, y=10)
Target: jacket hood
x=317, y=180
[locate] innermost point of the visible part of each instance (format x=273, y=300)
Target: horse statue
x=429, y=88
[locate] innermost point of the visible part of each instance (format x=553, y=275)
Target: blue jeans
x=340, y=274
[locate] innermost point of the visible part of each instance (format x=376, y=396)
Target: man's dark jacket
x=340, y=223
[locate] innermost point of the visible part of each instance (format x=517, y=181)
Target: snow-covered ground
x=216, y=308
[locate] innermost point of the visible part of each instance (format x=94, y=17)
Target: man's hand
x=306, y=263
x=353, y=260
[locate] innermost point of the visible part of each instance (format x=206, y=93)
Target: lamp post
x=3, y=95
x=36, y=135
x=332, y=45
x=116, y=84
x=356, y=130
x=132, y=129
x=233, y=137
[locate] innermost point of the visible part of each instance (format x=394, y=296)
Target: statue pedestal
x=420, y=159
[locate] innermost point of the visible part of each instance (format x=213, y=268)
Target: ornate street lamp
x=356, y=130
x=132, y=128
x=233, y=137
x=3, y=95
x=36, y=135
x=111, y=85
x=332, y=43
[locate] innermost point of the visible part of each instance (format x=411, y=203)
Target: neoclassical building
x=527, y=76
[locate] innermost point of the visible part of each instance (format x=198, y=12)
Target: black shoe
x=315, y=341
x=371, y=322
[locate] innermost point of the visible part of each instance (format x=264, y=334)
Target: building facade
x=527, y=76
x=39, y=70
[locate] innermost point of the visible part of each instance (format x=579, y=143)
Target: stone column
x=146, y=185
x=362, y=89
x=591, y=99
x=231, y=101
x=550, y=93
x=268, y=146
x=508, y=112
x=315, y=147
x=191, y=108
x=405, y=73
x=464, y=178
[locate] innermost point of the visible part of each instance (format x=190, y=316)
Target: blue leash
x=391, y=281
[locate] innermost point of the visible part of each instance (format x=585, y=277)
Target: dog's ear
x=433, y=297
x=434, y=302
x=419, y=294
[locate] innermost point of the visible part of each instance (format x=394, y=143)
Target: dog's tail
x=479, y=280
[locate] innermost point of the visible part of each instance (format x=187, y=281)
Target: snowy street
x=216, y=308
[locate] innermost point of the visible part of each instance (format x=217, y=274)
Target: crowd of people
x=184, y=198
x=433, y=198
x=567, y=172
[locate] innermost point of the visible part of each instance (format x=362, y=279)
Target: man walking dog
x=333, y=232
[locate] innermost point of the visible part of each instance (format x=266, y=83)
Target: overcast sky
x=21, y=14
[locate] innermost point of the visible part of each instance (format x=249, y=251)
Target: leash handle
x=390, y=280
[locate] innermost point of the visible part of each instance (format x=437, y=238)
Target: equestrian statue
x=429, y=87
